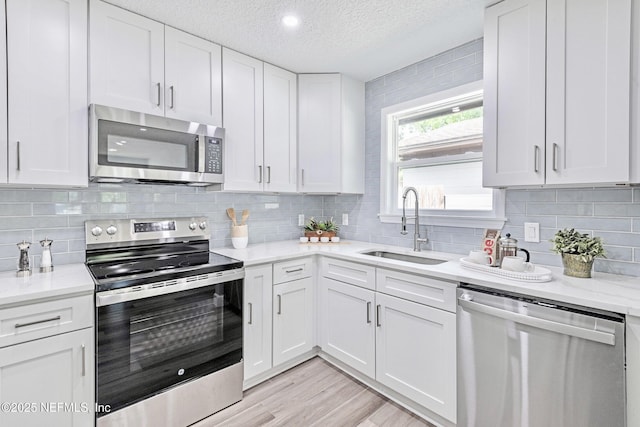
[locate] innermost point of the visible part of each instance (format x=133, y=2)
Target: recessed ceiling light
x=290, y=21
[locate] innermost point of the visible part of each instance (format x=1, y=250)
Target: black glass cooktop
x=131, y=267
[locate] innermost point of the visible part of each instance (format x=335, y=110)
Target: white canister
x=239, y=236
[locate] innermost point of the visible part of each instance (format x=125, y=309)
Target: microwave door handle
x=201, y=141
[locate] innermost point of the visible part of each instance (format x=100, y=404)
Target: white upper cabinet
x=127, y=59
x=331, y=134
x=193, y=81
x=47, y=93
x=557, y=79
x=141, y=65
x=243, y=121
x=280, y=136
x=259, y=106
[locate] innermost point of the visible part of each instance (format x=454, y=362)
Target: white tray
x=539, y=274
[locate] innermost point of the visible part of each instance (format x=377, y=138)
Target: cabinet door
x=127, y=59
x=588, y=61
x=47, y=99
x=416, y=353
x=55, y=374
x=193, y=80
x=292, y=319
x=280, y=142
x=514, y=93
x=3, y=95
x=319, y=131
x=243, y=121
x=347, y=320
x=257, y=320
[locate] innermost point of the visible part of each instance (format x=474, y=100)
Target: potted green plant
x=578, y=250
x=326, y=228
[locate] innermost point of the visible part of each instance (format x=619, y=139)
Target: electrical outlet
x=532, y=232
x=345, y=219
x=301, y=220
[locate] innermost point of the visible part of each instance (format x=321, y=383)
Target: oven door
x=148, y=345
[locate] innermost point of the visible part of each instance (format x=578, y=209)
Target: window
x=434, y=144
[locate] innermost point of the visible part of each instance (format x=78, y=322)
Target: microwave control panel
x=213, y=155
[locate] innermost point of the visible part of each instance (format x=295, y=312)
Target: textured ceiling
x=362, y=38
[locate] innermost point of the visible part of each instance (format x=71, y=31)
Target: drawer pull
x=84, y=361
x=368, y=311
x=250, y=314
x=22, y=325
x=295, y=270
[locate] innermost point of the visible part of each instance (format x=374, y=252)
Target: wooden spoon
x=245, y=215
x=231, y=213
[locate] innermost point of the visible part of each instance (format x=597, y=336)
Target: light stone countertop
x=604, y=291
x=64, y=281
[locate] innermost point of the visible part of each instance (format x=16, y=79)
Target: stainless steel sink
x=404, y=257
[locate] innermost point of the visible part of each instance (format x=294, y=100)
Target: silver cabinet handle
x=18, y=155
x=84, y=362
x=268, y=174
x=536, y=322
x=295, y=270
x=368, y=311
x=555, y=156
x=159, y=94
x=171, y=96
x=536, y=158
x=260, y=174
x=250, y=314
x=378, y=315
x=279, y=304
x=37, y=322
x=302, y=177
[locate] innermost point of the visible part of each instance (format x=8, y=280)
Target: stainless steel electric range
x=168, y=322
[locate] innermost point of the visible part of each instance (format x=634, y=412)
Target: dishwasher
x=530, y=362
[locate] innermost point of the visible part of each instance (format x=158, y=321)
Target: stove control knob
x=96, y=231
x=203, y=225
x=111, y=230
x=193, y=226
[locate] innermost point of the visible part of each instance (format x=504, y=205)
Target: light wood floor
x=313, y=394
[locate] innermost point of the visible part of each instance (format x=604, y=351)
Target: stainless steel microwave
x=127, y=146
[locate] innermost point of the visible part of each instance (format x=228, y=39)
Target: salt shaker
x=46, y=263
x=24, y=269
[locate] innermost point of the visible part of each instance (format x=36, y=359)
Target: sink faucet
x=416, y=234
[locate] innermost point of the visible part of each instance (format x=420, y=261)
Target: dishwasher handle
x=549, y=325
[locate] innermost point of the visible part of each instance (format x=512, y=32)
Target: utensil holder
x=239, y=236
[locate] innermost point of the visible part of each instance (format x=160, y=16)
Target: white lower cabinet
x=48, y=382
x=416, y=353
x=279, y=315
x=406, y=345
x=293, y=315
x=349, y=328
x=257, y=320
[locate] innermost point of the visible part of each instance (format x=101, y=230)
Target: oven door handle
x=168, y=287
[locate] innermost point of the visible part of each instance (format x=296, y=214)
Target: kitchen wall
x=32, y=214
x=612, y=213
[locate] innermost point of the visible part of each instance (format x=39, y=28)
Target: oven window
x=148, y=345
x=122, y=144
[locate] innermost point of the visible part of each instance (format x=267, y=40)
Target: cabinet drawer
x=421, y=289
x=349, y=272
x=287, y=271
x=39, y=320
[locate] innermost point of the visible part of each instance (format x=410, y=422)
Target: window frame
x=494, y=218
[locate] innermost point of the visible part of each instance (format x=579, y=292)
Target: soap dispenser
x=46, y=263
